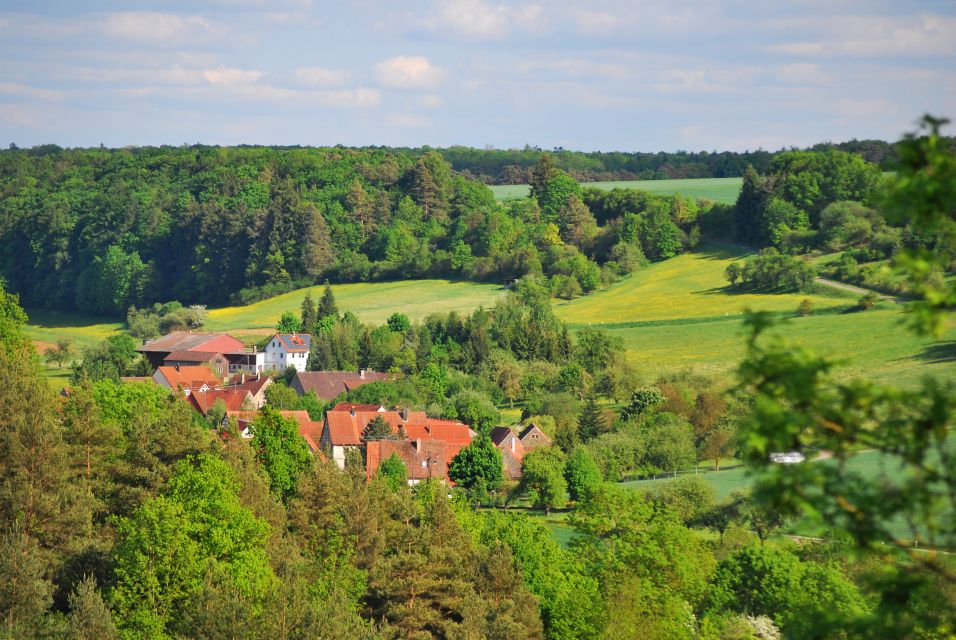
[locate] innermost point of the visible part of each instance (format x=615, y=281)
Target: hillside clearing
x=716, y=189
x=372, y=302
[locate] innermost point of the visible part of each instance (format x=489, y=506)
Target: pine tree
x=377, y=429
x=541, y=174
x=309, y=314
x=90, y=618
x=25, y=595
x=591, y=421
x=327, y=306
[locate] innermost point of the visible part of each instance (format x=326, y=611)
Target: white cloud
x=26, y=91
x=409, y=72
x=321, y=77
x=155, y=27
x=480, y=20
x=875, y=36
x=229, y=76
x=580, y=67
x=803, y=73
x=407, y=120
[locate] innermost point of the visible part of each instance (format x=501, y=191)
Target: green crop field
x=371, y=302
x=46, y=327
x=716, y=189
x=691, y=285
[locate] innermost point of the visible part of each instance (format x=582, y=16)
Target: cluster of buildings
x=207, y=368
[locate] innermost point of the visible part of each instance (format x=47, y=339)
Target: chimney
x=352, y=410
x=513, y=439
x=361, y=374
x=404, y=414
x=177, y=367
x=242, y=378
x=418, y=446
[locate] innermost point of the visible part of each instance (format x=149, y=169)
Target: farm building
x=327, y=385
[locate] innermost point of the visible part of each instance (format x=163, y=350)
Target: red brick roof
x=187, y=377
x=233, y=398
x=329, y=384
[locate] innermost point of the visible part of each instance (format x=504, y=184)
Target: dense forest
x=102, y=230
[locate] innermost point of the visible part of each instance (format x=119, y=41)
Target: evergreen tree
x=327, y=307
x=542, y=173
x=309, y=314
x=377, y=429
x=25, y=593
x=750, y=206
x=591, y=421
x=89, y=618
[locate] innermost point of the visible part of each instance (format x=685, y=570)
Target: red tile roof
x=187, y=377
x=309, y=429
x=422, y=460
x=234, y=399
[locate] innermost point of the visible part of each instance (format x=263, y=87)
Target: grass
x=44, y=328
x=872, y=467
x=691, y=285
x=372, y=302
x=716, y=189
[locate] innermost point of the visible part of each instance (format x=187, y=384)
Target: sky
x=654, y=75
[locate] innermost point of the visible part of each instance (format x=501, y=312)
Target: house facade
x=512, y=451
x=286, y=350
x=533, y=437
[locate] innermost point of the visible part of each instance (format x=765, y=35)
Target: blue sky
x=587, y=74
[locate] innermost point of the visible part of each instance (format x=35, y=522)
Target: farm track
x=836, y=284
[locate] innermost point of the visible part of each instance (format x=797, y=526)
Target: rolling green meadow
x=716, y=189
x=673, y=316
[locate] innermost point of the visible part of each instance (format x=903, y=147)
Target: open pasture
x=372, y=302
x=691, y=285
x=716, y=189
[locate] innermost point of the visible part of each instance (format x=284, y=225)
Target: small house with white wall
x=286, y=350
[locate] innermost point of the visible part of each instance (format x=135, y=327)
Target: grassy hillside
x=689, y=286
x=371, y=302
x=717, y=189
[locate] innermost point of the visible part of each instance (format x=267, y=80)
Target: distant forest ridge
x=513, y=166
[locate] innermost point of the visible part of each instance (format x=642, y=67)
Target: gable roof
x=294, y=342
x=329, y=384
x=202, y=401
x=252, y=384
x=498, y=434
x=190, y=341
x=422, y=460
x=187, y=377
x=533, y=428
x=346, y=422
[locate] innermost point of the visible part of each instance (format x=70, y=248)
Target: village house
x=217, y=362
x=512, y=451
x=345, y=424
x=233, y=399
x=226, y=354
x=328, y=385
x=309, y=429
x=256, y=385
x=533, y=437
x=286, y=350
x=423, y=459
x=188, y=379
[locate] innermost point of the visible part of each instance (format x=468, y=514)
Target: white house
x=288, y=350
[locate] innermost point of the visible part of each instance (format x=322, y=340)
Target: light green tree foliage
x=582, y=473
x=642, y=400
x=653, y=571
x=393, y=472
x=798, y=403
x=281, y=451
x=166, y=547
x=670, y=443
x=568, y=597
x=542, y=478
x=478, y=466
x=690, y=497
x=805, y=599
x=289, y=323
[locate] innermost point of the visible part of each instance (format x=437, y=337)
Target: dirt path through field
x=854, y=289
